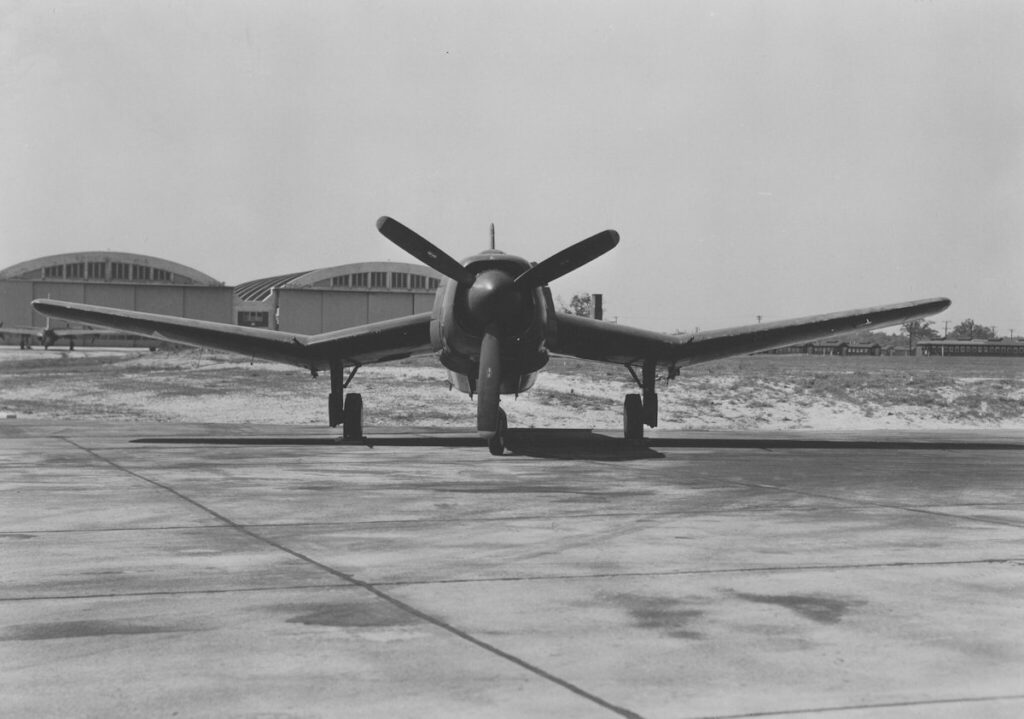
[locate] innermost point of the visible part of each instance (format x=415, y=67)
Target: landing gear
x=341, y=409
x=633, y=417
x=353, y=416
x=641, y=409
x=496, y=444
x=335, y=408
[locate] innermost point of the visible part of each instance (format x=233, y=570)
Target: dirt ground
x=759, y=392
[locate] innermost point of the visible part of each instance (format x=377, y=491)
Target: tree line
x=966, y=330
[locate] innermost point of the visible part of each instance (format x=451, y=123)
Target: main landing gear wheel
x=633, y=417
x=497, y=441
x=353, y=416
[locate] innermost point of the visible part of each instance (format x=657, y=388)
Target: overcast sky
x=776, y=159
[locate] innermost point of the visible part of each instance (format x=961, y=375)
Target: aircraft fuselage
x=457, y=327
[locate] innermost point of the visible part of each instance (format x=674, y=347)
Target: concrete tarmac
x=228, y=571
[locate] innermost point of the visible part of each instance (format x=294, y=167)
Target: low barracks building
x=303, y=302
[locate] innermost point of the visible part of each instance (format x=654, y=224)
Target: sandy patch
x=194, y=386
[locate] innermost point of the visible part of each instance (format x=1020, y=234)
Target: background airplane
x=48, y=336
x=493, y=327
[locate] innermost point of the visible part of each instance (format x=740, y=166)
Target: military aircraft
x=48, y=336
x=493, y=327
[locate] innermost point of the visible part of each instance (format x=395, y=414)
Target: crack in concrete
x=861, y=707
x=373, y=589
x=870, y=503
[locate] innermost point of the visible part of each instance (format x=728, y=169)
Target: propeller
x=424, y=251
x=569, y=259
x=495, y=299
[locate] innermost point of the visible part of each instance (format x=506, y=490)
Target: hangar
x=114, y=279
x=308, y=302
x=336, y=297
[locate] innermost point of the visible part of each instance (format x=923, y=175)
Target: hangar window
x=433, y=283
x=399, y=280
x=161, y=275
x=418, y=282
x=75, y=271
x=254, y=319
x=53, y=271
x=120, y=270
x=378, y=279
x=97, y=270
x=361, y=279
x=140, y=272
x=340, y=281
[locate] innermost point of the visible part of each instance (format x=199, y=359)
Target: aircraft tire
x=496, y=444
x=633, y=417
x=353, y=420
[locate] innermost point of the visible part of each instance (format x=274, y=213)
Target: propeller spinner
x=495, y=298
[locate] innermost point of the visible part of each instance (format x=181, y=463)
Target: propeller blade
x=569, y=259
x=488, y=383
x=424, y=251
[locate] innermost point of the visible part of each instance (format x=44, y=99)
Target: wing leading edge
x=607, y=342
x=365, y=344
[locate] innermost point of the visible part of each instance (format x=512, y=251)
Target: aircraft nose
x=494, y=298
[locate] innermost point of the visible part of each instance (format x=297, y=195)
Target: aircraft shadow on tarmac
x=576, y=444
x=541, y=443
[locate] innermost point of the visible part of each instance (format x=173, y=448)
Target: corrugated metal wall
x=203, y=303
x=311, y=311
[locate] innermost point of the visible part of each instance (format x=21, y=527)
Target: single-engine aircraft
x=493, y=327
x=48, y=336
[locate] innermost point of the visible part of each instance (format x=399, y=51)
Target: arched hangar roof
x=106, y=266
x=373, y=276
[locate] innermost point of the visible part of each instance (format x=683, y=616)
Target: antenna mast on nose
x=492, y=235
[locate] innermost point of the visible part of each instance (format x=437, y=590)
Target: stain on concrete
x=666, y=615
x=316, y=486
x=351, y=614
x=78, y=629
x=17, y=536
x=574, y=490
x=824, y=610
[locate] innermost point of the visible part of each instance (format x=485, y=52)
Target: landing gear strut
x=496, y=444
x=347, y=411
x=640, y=409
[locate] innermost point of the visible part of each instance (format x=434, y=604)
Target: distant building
x=835, y=347
x=925, y=348
x=336, y=297
x=304, y=302
x=971, y=348
x=114, y=279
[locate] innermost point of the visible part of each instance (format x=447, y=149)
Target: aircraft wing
x=21, y=331
x=83, y=332
x=375, y=342
x=609, y=342
x=60, y=333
